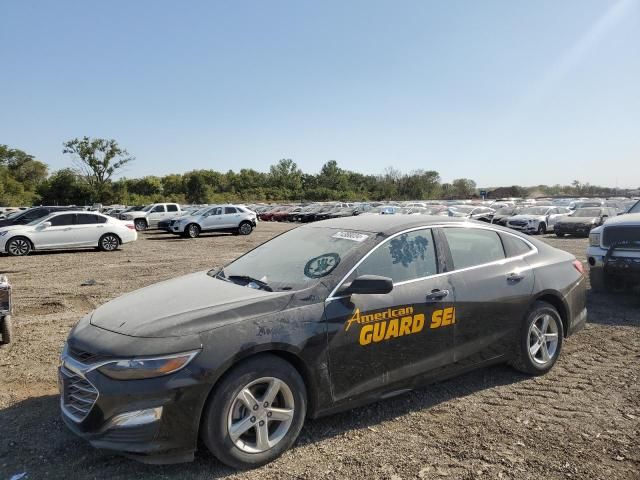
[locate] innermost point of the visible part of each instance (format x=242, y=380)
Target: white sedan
x=67, y=229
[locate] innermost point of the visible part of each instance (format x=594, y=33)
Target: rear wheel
x=255, y=413
x=192, y=230
x=540, y=340
x=18, y=247
x=140, y=224
x=6, y=330
x=108, y=242
x=245, y=228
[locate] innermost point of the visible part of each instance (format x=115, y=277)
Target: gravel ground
x=582, y=420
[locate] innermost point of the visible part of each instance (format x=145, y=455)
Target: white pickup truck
x=150, y=215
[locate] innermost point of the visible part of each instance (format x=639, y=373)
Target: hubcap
x=261, y=415
x=19, y=247
x=109, y=243
x=193, y=231
x=140, y=225
x=543, y=339
x=245, y=229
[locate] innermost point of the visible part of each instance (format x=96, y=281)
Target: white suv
x=150, y=215
x=229, y=218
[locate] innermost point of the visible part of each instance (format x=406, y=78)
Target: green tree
x=97, y=160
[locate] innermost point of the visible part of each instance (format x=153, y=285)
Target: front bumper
x=528, y=228
x=573, y=229
x=93, y=407
x=621, y=263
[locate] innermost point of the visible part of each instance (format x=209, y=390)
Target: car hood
x=7, y=228
x=185, y=306
x=579, y=220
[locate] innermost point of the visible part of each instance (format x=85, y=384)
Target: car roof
x=387, y=224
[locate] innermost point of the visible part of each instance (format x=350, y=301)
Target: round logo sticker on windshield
x=320, y=266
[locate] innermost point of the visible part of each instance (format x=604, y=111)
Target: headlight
x=137, y=368
x=594, y=239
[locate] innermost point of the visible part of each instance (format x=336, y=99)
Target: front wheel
x=18, y=247
x=542, y=229
x=540, y=340
x=245, y=228
x=255, y=413
x=192, y=230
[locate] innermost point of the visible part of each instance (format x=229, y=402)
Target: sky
x=502, y=92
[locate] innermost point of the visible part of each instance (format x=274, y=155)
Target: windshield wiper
x=243, y=278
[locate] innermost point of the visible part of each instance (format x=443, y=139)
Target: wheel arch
x=22, y=235
x=282, y=351
x=555, y=299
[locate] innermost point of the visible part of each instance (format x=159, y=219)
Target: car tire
x=192, y=230
x=539, y=340
x=542, y=228
x=19, y=246
x=245, y=228
x=229, y=399
x=109, y=242
x=6, y=330
x=560, y=235
x=599, y=281
x=140, y=224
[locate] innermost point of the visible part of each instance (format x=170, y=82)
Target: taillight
x=130, y=226
x=577, y=264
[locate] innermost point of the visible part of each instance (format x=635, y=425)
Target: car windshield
x=41, y=219
x=463, y=208
x=535, y=211
x=199, y=211
x=147, y=208
x=294, y=260
x=635, y=208
x=587, y=212
x=14, y=214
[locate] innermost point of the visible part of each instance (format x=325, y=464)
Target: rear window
x=514, y=246
x=473, y=246
x=230, y=210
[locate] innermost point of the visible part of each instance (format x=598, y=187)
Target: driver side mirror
x=368, y=285
x=45, y=225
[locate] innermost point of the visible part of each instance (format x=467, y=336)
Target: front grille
x=77, y=394
x=627, y=237
x=519, y=223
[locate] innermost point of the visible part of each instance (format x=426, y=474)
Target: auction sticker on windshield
x=353, y=236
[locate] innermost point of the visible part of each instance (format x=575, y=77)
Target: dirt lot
x=580, y=421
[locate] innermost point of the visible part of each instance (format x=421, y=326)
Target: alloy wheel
x=19, y=247
x=193, y=230
x=543, y=339
x=109, y=243
x=261, y=415
x=245, y=229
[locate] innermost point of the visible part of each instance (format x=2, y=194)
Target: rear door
x=88, y=229
x=383, y=341
x=493, y=283
x=231, y=217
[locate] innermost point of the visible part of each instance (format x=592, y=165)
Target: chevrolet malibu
x=320, y=319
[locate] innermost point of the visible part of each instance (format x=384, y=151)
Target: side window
x=158, y=208
x=62, y=220
x=513, y=246
x=230, y=210
x=216, y=211
x=473, y=246
x=100, y=219
x=172, y=208
x=85, y=219
x=406, y=257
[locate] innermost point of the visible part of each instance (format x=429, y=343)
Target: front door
x=155, y=215
x=379, y=342
x=212, y=220
x=59, y=234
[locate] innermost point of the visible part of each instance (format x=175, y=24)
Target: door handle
x=437, y=294
x=515, y=277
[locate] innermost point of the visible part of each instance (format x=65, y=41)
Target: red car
x=268, y=215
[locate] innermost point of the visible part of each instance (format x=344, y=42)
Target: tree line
x=94, y=163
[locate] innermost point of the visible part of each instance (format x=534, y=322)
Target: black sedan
x=320, y=319
x=583, y=220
